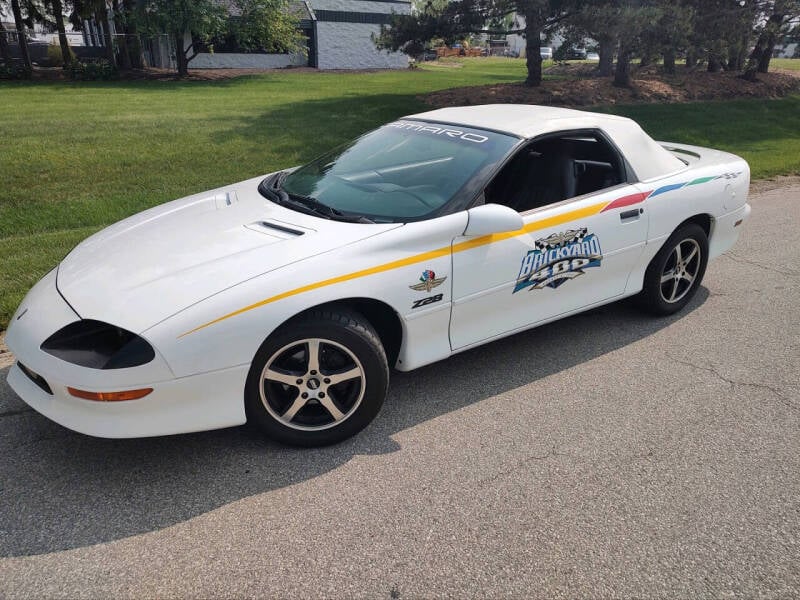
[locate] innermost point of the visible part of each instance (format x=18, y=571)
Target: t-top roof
x=648, y=159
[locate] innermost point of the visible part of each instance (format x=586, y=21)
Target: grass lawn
x=793, y=64
x=79, y=156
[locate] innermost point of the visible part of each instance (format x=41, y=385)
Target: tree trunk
x=669, y=61
x=622, y=74
x=741, y=58
x=533, y=52
x=132, y=37
x=23, y=40
x=5, y=50
x=774, y=24
x=180, y=56
x=606, y=52
x=714, y=64
x=766, y=55
x=763, y=62
x=134, y=48
x=101, y=16
x=755, y=59
x=119, y=21
x=691, y=58
x=730, y=63
x=58, y=13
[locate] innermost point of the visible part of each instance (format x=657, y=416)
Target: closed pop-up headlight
x=98, y=345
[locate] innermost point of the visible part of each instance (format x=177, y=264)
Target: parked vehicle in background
x=593, y=56
x=546, y=53
x=574, y=54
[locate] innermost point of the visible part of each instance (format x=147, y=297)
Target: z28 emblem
x=558, y=258
x=426, y=301
x=428, y=281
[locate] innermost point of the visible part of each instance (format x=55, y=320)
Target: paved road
x=606, y=455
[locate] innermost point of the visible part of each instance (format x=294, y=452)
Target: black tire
x=342, y=394
x=667, y=288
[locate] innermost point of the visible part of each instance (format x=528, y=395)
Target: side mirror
x=492, y=218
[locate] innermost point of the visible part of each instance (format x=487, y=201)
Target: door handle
x=630, y=214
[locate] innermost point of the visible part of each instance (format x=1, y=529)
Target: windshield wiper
x=271, y=188
x=326, y=211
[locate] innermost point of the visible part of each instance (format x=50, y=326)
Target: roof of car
x=648, y=159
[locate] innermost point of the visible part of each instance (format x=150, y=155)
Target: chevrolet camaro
x=285, y=299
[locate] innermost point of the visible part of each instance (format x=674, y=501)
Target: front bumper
x=177, y=405
x=198, y=403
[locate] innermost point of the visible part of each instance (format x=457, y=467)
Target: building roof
x=648, y=159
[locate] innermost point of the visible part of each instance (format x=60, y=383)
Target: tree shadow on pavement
x=61, y=490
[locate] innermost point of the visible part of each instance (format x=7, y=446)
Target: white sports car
x=285, y=299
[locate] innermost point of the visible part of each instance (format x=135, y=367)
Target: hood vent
x=277, y=229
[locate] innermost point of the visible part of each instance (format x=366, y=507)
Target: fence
x=155, y=50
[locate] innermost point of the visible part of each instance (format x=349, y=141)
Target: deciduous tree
x=268, y=25
x=200, y=19
x=774, y=18
x=456, y=20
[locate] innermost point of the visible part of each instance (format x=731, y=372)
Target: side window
x=556, y=168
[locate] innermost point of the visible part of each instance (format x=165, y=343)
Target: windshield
x=404, y=171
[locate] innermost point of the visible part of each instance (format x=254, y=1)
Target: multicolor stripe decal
x=626, y=201
x=553, y=221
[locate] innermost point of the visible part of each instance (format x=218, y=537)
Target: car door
x=569, y=255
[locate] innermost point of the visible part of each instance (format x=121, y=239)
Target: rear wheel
x=318, y=380
x=675, y=273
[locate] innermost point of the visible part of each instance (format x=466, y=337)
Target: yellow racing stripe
x=416, y=258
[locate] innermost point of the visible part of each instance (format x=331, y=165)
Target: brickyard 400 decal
x=558, y=258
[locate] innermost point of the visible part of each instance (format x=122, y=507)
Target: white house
x=343, y=31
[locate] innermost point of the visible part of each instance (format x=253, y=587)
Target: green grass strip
x=84, y=155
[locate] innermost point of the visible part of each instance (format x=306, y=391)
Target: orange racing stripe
x=477, y=242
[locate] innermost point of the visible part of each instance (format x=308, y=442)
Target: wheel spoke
x=313, y=355
x=678, y=255
x=344, y=376
x=688, y=277
x=692, y=254
x=287, y=378
x=329, y=405
x=668, y=276
x=298, y=403
x=674, y=290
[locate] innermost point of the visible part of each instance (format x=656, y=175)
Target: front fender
x=227, y=329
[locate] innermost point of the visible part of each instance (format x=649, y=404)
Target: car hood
x=151, y=266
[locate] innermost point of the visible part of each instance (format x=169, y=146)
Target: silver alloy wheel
x=680, y=270
x=312, y=384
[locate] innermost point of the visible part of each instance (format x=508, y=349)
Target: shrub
x=14, y=71
x=91, y=70
x=54, y=56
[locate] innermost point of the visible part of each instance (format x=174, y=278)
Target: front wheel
x=675, y=273
x=318, y=380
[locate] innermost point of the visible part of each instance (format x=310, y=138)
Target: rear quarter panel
x=715, y=183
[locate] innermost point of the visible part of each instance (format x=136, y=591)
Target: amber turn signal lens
x=110, y=396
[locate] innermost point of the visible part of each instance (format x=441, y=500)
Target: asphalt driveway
x=610, y=454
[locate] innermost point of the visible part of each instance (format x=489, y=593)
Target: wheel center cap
x=313, y=384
